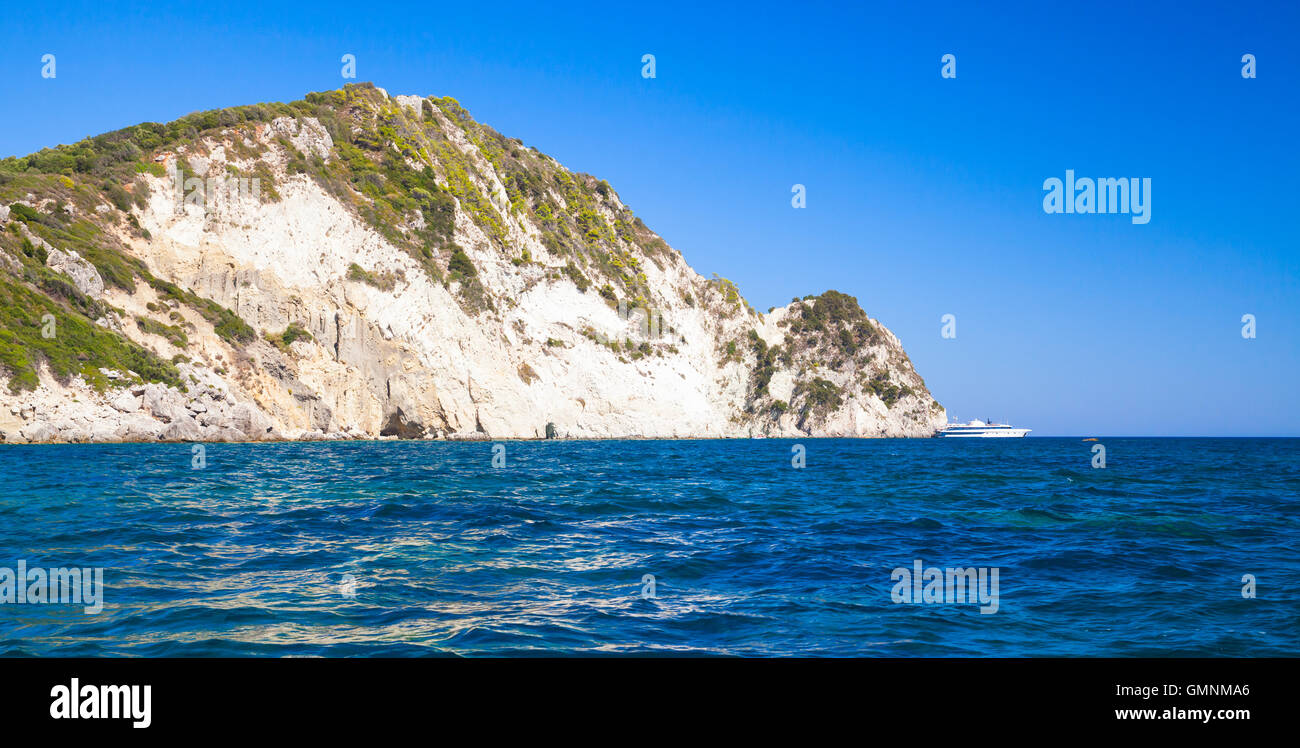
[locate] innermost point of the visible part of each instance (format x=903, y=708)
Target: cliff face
x=355, y=265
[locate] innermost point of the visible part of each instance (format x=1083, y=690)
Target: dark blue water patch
x=425, y=548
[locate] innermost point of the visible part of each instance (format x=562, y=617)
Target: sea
x=1170, y=547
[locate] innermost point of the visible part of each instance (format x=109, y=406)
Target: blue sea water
x=425, y=548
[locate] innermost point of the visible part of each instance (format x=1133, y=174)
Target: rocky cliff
x=355, y=265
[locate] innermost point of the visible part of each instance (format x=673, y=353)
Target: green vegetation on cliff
x=35, y=327
x=819, y=397
x=31, y=291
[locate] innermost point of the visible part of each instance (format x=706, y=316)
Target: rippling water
x=251, y=555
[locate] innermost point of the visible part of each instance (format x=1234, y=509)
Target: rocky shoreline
x=150, y=413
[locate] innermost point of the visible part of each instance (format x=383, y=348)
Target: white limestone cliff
x=415, y=360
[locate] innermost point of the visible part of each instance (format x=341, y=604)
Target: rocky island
x=359, y=265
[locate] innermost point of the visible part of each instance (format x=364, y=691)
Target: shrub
x=819, y=397
x=764, y=364
x=292, y=333
x=118, y=196
x=888, y=392
x=385, y=281
x=578, y=278
x=460, y=266
x=172, y=333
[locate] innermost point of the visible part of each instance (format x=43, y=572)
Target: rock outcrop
x=355, y=266
x=82, y=273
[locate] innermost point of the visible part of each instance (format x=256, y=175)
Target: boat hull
x=984, y=434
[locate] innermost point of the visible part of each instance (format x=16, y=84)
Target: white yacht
x=980, y=429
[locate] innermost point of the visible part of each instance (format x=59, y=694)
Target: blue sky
x=924, y=195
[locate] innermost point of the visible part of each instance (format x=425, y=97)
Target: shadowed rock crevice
x=399, y=425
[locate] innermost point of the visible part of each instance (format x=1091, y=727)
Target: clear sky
x=924, y=194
